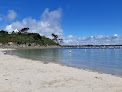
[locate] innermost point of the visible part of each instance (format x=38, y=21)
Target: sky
x=78, y=22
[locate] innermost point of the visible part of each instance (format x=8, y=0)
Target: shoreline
x=90, y=70
x=52, y=77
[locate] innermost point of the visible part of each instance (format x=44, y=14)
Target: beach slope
x=23, y=75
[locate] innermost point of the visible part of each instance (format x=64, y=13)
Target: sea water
x=101, y=60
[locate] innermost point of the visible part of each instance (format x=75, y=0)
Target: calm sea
x=106, y=61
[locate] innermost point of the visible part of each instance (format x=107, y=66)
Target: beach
x=24, y=75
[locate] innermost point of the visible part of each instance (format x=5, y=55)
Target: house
x=16, y=31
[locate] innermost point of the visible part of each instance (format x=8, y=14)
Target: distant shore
x=92, y=46
x=63, y=46
x=30, y=47
x=29, y=76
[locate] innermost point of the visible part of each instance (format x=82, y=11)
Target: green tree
x=60, y=40
x=55, y=37
x=24, y=30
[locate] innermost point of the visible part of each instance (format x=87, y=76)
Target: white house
x=16, y=31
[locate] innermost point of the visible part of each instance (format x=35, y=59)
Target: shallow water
x=106, y=61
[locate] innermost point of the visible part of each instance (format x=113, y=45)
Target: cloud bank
x=93, y=40
x=48, y=23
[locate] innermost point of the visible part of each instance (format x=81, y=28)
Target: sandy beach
x=23, y=75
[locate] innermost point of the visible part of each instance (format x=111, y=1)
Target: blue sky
x=76, y=19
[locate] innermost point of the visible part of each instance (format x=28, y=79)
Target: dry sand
x=23, y=75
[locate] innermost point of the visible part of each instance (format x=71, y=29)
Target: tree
x=60, y=40
x=22, y=38
x=3, y=32
x=24, y=30
x=55, y=37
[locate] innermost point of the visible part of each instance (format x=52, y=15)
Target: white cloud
x=115, y=35
x=9, y=28
x=93, y=40
x=11, y=15
x=48, y=23
x=92, y=36
x=70, y=36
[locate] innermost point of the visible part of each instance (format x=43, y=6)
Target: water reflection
x=107, y=61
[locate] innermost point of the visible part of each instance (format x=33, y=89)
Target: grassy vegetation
x=25, y=38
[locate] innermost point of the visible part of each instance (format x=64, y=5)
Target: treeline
x=24, y=38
